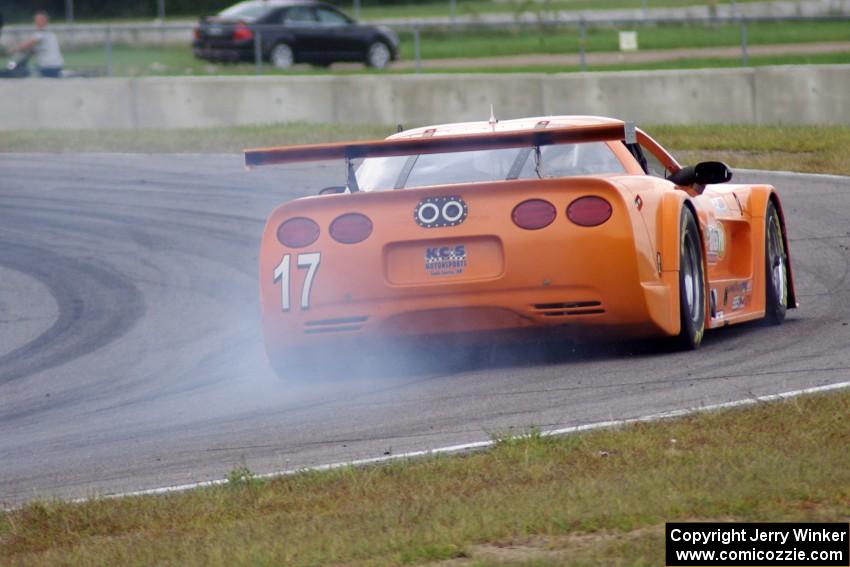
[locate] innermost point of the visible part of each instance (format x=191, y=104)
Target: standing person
x=48, y=56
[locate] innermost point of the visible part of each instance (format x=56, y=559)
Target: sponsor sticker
x=738, y=291
x=716, y=242
x=446, y=260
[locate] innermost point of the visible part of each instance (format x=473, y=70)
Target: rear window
x=245, y=11
x=383, y=174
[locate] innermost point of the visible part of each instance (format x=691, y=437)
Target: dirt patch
x=548, y=548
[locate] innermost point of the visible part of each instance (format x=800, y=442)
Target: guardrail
x=85, y=37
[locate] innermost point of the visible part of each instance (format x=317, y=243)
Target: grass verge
x=471, y=43
x=672, y=64
x=483, y=43
x=184, y=140
x=811, y=149
x=476, y=7
x=599, y=498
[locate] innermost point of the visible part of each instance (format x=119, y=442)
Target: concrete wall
x=767, y=95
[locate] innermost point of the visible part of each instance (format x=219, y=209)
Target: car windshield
x=383, y=174
x=245, y=11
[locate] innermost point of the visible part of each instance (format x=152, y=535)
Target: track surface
x=130, y=355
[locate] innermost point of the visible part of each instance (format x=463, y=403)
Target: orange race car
x=569, y=223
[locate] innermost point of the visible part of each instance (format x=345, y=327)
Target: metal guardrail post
x=356, y=9
x=109, y=51
x=69, y=11
x=645, y=9
x=452, y=9
x=745, y=56
x=416, y=50
x=160, y=10
x=582, y=41
x=258, y=52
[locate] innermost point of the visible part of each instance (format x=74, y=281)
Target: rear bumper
x=225, y=54
x=618, y=305
x=483, y=275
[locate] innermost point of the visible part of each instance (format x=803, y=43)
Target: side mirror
x=334, y=190
x=704, y=173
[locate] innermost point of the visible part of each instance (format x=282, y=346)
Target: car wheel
x=691, y=284
x=281, y=56
x=775, y=268
x=378, y=55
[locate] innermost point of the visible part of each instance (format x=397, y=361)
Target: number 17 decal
x=281, y=274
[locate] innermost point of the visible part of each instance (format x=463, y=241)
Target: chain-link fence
x=166, y=48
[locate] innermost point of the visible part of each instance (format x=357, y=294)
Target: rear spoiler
x=440, y=144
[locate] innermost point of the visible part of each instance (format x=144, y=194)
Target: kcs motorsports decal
x=445, y=260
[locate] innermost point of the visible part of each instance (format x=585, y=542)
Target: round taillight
x=534, y=214
x=589, y=211
x=351, y=228
x=298, y=232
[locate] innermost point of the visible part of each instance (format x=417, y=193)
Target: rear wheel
x=281, y=56
x=378, y=55
x=775, y=268
x=691, y=284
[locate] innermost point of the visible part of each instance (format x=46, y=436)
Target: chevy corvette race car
x=574, y=224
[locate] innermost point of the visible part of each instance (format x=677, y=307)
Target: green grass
x=475, y=7
x=687, y=63
x=184, y=140
x=815, y=149
x=440, y=45
x=178, y=59
x=809, y=149
x=599, y=498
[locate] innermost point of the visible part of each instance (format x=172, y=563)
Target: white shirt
x=47, y=50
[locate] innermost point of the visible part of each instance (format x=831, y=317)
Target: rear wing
x=441, y=144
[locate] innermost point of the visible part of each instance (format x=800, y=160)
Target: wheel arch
x=669, y=238
x=706, y=284
x=773, y=197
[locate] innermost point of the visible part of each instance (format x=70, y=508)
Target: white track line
x=466, y=447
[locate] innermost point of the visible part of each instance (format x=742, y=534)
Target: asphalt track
x=130, y=353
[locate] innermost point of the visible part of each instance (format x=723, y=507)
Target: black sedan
x=292, y=31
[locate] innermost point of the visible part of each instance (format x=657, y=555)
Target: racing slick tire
x=282, y=56
x=775, y=268
x=691, y=284
x=378, y=55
